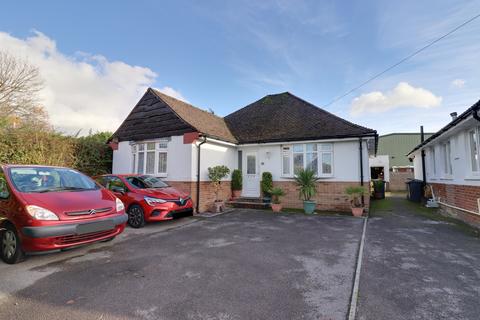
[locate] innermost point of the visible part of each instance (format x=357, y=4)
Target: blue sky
x=97, y=57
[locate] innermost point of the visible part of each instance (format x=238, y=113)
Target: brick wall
x=461, y=196
x=398, y=179
x=207, y=194
x=330, y=195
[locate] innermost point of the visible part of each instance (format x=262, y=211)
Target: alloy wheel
x=9, y=244
x=135, y=216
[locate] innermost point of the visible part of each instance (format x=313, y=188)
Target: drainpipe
x=198, y=174
x=424, y=173
x=361, y=166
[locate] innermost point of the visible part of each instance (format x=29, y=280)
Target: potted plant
x=276, y=194
x=216, y=174
x=237, y=183
x=306, y=181
x=266, y=185
x=355, y=194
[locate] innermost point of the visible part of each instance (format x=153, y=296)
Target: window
x=313, y=156
x=4, y=192
x=240, y=160
x=286, y=159
x=447, y=160
x=150, y=157
x=251, y=164
x=473, y=136
x=434, y=162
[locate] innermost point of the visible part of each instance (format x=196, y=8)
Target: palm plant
x=276, y=194
x=306, y=180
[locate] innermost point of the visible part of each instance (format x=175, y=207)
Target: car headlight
x=153, y=201
x=40, y=213
x=119, y=204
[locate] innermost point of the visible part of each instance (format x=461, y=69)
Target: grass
x=434, y=214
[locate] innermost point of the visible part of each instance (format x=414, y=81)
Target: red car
x=52, y=208
x=147, y=198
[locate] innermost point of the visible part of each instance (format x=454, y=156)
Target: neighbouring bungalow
x=452, y=165
x=279, y=133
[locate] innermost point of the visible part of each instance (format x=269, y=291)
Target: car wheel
x=11, y=249
x=136, y=218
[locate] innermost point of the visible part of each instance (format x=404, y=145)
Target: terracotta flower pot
x=218, y=206
x=357, y=211
x=236, y=194
x=276, y=207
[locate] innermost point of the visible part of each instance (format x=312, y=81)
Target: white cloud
x=403, y=95
x=459, y=83
x=83, y=91
x=172, y=93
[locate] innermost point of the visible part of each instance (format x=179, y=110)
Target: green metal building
x=397, y=145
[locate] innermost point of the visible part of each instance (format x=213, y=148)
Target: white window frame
x=447, y=159
x=433, y=163
x=287, y=151
x=470, y=160
x=161, y=147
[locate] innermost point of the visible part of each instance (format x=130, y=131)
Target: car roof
x=6, y=166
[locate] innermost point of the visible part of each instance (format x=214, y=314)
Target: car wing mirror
x=118, y=189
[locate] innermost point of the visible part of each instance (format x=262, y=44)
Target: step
x=248, y=204
x=248, y=199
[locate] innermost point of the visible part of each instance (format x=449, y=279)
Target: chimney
x=453, y=115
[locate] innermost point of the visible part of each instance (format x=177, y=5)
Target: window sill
x=472, y=177
x=446, y=178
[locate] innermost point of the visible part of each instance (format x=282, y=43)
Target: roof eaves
x=450, y=125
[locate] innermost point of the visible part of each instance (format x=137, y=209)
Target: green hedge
x=89, y=154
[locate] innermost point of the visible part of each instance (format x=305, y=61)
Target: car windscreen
x=146, y=182
x=48, y=179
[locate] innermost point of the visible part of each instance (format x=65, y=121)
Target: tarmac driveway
x=243, y=265
x=416, y=267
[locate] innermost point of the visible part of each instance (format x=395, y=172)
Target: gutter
x=197, y=207
x=475, y=110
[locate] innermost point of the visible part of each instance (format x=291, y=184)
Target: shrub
x=216, y=174
x=276, y=194
x=93, y=155
x=306, y=181
x=355, y=194
x=266, y=184
x=237, y=180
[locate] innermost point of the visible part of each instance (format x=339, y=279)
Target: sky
x=98, y=57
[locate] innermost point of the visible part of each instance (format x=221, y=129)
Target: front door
x=251, y=178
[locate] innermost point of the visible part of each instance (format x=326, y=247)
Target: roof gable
x=203, y=121
x=285, y=117
x=151, y=118
x=158, y=115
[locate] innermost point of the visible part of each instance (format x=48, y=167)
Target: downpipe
x=197, y=207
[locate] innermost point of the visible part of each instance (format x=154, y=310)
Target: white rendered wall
x=213, y=154
x=346, y=166
x=179, y=157
x=460, y=158
x=122, y=158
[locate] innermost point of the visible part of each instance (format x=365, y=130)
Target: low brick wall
x=207, y=194
x=398, y=179
x=330, y=195
x=460, y=196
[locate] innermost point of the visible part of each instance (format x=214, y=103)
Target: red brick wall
x=330, y=195
x=461, y=196
x=398, y=179
x=207, y=194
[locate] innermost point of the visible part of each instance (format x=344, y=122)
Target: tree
x=20, y=84
x=216, y=174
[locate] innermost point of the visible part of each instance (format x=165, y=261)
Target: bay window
x=314, y=156
x=150, y=157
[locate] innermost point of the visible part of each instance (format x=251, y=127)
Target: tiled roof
x=285, y=117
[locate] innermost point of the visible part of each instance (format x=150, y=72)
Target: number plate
x=95, y=227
